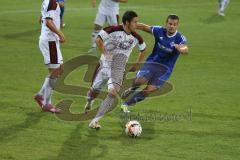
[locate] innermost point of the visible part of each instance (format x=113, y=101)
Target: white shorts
x=111, y=19
x=51, y=53
x=102, y=78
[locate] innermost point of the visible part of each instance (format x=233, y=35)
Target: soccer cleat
x=92, y=50
x=63, y=25
x=127, y=93
x=94, y=125
x=39, y=99
x=88, y=106
x=51, y=108
x=220, y=13
x=124, y=108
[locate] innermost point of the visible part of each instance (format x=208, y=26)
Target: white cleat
x=95, y=125
x=124, y=108
x=92, y=50
x=63, y=25
x=220, y=13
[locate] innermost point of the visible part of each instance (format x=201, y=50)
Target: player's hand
x=61, y=37
x=183, y=49
x=177, y=46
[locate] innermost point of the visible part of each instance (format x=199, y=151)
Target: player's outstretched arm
x=100, y=45
x=144, y=27
x=138, y=61
x=121, y=1
x=183, y=49
x=53, y=28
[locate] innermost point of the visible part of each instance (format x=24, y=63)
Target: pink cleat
x=39, y=99
x=51, y=108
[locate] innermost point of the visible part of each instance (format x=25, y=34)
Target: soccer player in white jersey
x=116, y=44
x=49, y=44
x=108, y=11
x=222, y=6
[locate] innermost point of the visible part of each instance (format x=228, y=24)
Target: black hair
x=128, y=16
x=172, y=16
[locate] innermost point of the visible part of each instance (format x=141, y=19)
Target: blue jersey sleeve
x=155, y=30
x=182, y=39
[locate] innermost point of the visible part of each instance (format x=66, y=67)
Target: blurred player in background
x=62, y=8
x=49, y=44
x=169, y=44
x=108, y=11
x=222, y=6
x=116, y=44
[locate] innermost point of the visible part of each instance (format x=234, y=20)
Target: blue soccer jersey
x=164, y=51
x=158, y=66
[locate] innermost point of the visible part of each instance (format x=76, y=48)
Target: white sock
x=47, y=94
x=223, y=5
x=94, y=36
x=41, y=92
x=105, y=106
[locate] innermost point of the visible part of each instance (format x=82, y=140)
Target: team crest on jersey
x=172, y=44
x=131, y=41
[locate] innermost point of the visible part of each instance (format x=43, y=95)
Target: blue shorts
x=60, y=1
x=155, y=73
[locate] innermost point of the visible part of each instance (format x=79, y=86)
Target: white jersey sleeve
x=103, y=35
x=51, y=9
x=140, y=42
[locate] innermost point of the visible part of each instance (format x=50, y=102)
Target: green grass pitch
x=206, y=81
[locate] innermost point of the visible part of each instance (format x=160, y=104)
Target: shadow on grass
x=80, y=146
x=200, y=134
x=12, y=132
x=214, y=18
x=20, y=35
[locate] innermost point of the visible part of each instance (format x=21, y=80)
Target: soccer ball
x=133, y=128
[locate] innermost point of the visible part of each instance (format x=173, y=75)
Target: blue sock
x=62, y=11
x=139, y=96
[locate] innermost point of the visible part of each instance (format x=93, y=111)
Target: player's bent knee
x=55, y=72
x=112, y=92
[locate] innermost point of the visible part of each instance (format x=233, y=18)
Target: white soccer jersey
x=117, y=41
x=50, y=9
x=108, y=7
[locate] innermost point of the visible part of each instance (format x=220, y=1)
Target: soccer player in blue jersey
x=169, y=44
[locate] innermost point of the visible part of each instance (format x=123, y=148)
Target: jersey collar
x=172, y=35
